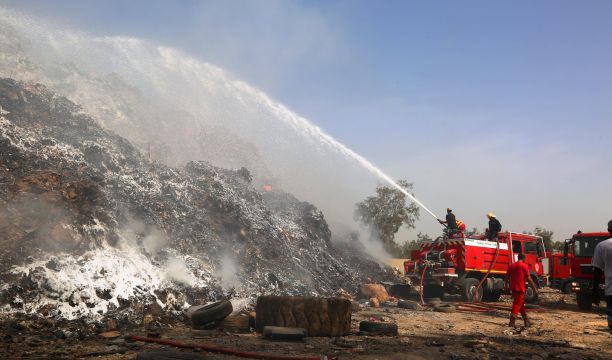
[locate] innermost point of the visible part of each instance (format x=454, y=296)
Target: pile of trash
x=89, y=224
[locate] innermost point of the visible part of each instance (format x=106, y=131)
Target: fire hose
x=223, y=350
x=421, y=287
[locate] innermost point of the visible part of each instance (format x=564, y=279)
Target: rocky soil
x=560, y=332
x=88, y=224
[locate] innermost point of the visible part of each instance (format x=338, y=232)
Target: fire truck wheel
x=447, y=308
x=566, y=288
x=468, y=290
x=378, y=328
x=491, y=296
x=407, y=304
x=432, y=291
x=530, y=295
x=584, y=300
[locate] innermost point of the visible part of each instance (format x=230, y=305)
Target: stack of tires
x=319, y=316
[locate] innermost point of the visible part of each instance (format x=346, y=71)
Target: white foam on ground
x=122, y=273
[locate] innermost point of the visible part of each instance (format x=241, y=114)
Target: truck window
x=531, y=248
x=585, y=246
x=516, y=247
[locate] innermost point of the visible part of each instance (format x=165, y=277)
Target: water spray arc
x=301, y=124
x=179, y=84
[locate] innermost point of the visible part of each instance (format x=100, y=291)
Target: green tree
x=558, y=246
x=386, y=212
x=413, y=244
x=547, y=236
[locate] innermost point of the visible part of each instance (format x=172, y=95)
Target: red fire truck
x=560, y=272
x=578, y=252
x=457, y=265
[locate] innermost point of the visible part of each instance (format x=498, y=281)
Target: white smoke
x=154, y=241
x=228, y=272
x=177, y=271
x=178, y=108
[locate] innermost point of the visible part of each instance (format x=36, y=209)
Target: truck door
x=531, y=256
x=517, y=248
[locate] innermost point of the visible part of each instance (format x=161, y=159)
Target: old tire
x=378, y=328
x=584, y=300
x=236, y=323
x=407, y=304
x=203, y=315
x=284, y=333
x=446, y=308
x=452, y=297
x=168, y=355
x=319, y=316
x=432, y=301
x=401, y=291
x=432, y=291
x=468, y=290
x=531, y=297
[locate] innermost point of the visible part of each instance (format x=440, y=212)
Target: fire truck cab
x=578, y=252
x=457, y=265
x=560, y=272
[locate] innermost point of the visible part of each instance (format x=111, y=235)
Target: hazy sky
x=485, y=106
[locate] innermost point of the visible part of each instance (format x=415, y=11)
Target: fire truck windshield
x=585, y=246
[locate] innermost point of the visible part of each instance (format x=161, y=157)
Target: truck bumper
x=586, y=285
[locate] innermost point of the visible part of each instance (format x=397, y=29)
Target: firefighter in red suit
x=518, y=274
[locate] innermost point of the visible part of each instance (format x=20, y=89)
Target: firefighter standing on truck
x=494, y=227
x=516, y=276
x=451, y=222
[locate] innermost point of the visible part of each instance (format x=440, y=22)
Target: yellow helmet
x=490, y=215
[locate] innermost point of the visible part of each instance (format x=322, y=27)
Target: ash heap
x=90, y=225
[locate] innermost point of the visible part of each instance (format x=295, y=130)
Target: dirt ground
x=560, y=331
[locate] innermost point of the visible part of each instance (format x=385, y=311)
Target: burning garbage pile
x=89, y=225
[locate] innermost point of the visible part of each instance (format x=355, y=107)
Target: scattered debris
x=110, y=334
x=374, y=302
x=377, y=291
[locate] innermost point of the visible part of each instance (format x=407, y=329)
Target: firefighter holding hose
x=451, y=221
x=516, y=276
